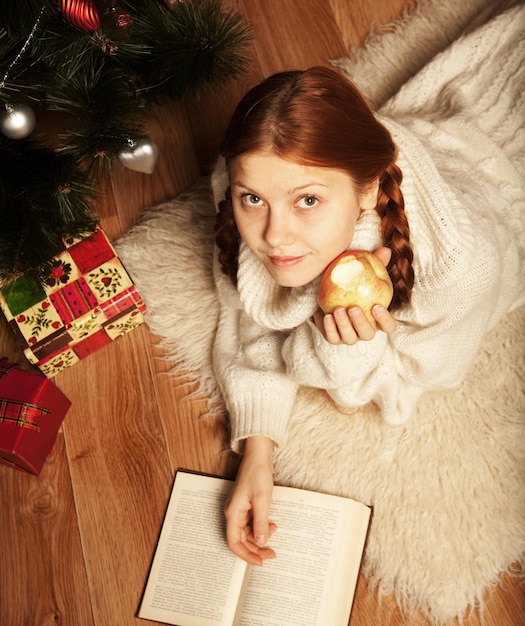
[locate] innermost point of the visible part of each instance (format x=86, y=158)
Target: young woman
x=309, y=171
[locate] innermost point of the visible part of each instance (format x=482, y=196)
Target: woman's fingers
x=384, y=319
x=351, y=325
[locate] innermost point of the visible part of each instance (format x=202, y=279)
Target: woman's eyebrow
x=306, y=186
x=299, y=188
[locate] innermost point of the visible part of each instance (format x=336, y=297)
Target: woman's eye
x=251, y=199
x=307, y=202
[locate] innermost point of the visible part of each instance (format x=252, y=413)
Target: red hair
x=318, y=117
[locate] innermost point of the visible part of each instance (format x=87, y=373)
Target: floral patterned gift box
x=87, y=301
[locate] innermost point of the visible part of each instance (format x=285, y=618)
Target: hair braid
x=396, y=234
x=227, y=239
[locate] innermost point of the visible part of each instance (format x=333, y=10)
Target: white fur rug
x=447, y=489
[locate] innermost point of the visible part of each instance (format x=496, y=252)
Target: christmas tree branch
x=98, y=63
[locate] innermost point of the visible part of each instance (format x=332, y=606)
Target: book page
x=195, y=580
x=319, y=543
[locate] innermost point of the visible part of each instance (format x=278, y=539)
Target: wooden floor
x=76, y=542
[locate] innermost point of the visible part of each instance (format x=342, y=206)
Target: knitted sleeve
x=353, y=375
x=251, y=372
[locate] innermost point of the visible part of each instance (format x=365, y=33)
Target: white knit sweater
x=459, y=129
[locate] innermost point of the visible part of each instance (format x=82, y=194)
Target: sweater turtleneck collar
x=284, y=308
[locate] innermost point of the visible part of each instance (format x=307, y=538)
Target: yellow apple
x=355, y=278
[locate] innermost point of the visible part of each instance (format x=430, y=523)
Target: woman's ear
x=368, y=199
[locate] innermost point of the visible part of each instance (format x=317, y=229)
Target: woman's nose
x=279, y=229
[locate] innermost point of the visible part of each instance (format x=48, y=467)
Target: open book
x=195, y=580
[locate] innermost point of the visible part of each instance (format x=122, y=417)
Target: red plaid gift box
x=31, y=411
x=87, y=301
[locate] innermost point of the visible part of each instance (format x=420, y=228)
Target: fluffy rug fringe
x=170, y=254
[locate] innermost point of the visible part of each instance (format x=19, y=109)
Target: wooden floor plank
x=120, y=471
x=292, y=36
x=357, y=19
x=176, y=168
x=43, y=576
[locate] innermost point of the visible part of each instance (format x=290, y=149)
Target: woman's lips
x=286, y=261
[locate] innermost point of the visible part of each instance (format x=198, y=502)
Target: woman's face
x=294, y=218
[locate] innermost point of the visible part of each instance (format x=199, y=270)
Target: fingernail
x=260, y=540
x=340, y=314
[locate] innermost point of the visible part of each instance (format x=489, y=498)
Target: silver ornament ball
x=17, y=121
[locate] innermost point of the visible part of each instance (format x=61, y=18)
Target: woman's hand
x=348, y=326
x=247, y=511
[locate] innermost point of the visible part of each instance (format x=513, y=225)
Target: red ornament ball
x=82, y=14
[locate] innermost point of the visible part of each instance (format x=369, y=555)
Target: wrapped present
x=32, y=409
x=87, y=301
